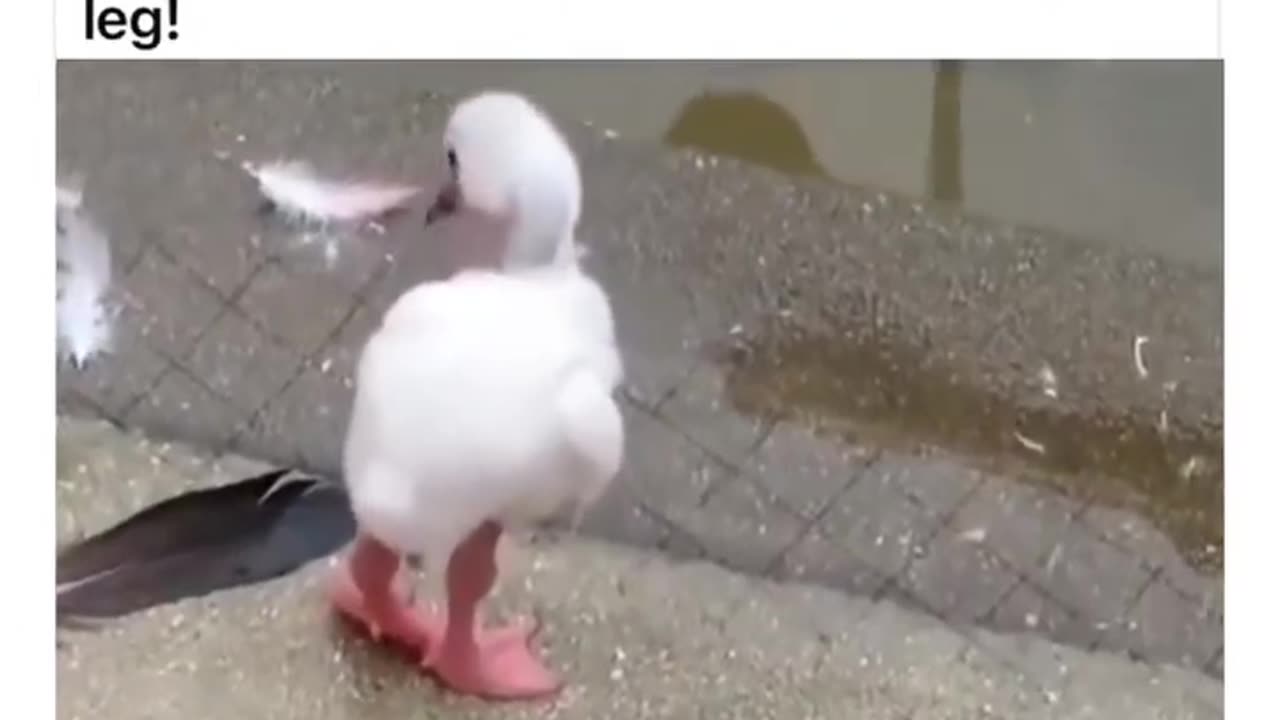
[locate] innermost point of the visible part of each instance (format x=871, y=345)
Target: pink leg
x=366, y=589
x=496, y=663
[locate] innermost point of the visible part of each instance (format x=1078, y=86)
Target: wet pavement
x=725, y=645
x=826, y=384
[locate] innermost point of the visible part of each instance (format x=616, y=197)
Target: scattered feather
x=1169, y=388
x=974, y=535
x=1049, y=381
x=84, y=275
x=1028, y=443
x=1138, y=361
x=295, y=190
x=201, y=542
x=1054, y=558
x=1191, y=467
x=611, y=134
x=70, y=196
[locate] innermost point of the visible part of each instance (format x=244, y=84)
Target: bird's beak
x=446, y=202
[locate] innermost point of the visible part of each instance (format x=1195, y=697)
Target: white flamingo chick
x=482, y=402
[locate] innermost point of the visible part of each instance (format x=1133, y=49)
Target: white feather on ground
x=69, y=197
x=84, y=275
x=299, y=193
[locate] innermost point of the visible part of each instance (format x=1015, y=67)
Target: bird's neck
x=527, y=249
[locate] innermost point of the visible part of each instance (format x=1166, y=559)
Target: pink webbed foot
x=499, y=664
x=365, y=589
x=494, y=663
x=394, y=618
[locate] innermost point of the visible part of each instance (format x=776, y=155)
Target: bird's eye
x=453, y=160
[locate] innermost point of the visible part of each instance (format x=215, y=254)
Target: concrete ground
x=827, y=384
x=637, y=634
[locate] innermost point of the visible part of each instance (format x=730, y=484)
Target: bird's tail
x=593, y=426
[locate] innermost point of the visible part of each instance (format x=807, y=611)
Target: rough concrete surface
x=638, y=635
x=825, y=384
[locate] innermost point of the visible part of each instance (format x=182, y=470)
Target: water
x=1121, y=152
x=882, y=395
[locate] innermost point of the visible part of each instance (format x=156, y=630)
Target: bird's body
x=484, y=397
